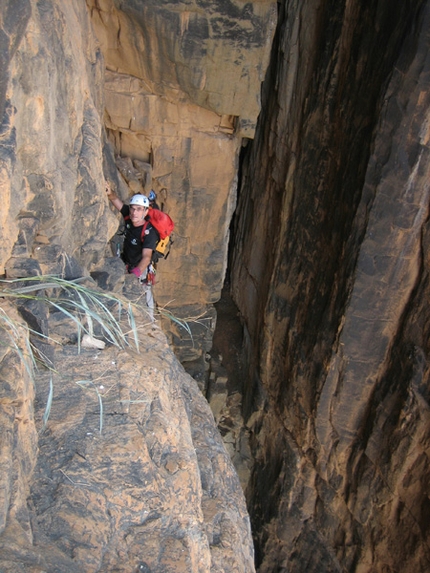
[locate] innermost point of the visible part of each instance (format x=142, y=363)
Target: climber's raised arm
x=113, y=197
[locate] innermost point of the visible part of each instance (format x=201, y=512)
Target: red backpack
x=162, y=222
x=164, y=225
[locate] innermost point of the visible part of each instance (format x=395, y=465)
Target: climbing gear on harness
x=141, y=200
x=150, y=276
x=149, y=279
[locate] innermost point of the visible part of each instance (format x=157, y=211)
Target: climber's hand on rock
x=108, y=189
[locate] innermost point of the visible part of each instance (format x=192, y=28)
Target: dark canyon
x=289, y=142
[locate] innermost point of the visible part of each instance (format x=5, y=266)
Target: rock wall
x=329, y=270
x=213, y=54
x=52, y=142
x=192, y=165
x=18, y=450
x=182, y=90
x=145, y=122
x=57, y=145
x=330, y=273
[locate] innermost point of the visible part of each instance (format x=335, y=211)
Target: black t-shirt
x=133, y=243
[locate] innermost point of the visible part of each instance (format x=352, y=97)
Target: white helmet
x=140, y=199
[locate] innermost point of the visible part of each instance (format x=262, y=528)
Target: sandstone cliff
x=156, y=491
x=182, y=90
x=329, y=268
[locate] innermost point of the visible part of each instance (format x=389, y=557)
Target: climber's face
x=137, y=215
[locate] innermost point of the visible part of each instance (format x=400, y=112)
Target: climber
x=140, y=239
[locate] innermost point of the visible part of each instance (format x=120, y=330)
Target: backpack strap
x=145, y=224
x=127, y=218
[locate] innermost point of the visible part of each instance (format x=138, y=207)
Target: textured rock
x=213, y=54
x=183, y=87
x=57, y=220
x=15, y=16
x=154, y=488
x=193, y=160
x=51, y=138
x=330, y=271
x=193, y=171
x=180, y=138
x=335, y=295
x=18, y=449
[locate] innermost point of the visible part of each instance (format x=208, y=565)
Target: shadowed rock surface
x=336, y=304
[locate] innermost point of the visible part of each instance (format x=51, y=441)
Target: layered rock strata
x=213, y=54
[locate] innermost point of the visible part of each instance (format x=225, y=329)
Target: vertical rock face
x=61, y=134
x=51, y=144
x=183, y=88
x=192, y=162
x=18, y=451
x=335, y=264
x=213, y=54
x=330, y=272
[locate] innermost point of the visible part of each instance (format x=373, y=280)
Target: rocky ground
x=130, y=473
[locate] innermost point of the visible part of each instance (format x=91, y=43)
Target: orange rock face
x=165, y=497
